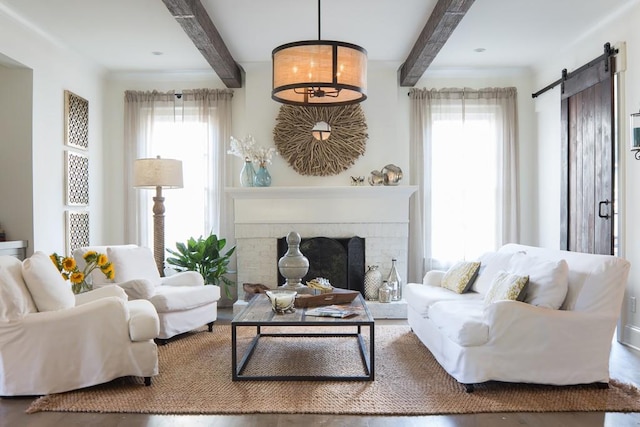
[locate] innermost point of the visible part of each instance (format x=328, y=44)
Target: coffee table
x=258, y=314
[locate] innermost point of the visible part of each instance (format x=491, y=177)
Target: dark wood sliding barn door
x=588, y=159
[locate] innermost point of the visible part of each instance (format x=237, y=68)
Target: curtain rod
x=608, y=52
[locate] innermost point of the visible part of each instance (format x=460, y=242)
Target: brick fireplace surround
x=263, y=215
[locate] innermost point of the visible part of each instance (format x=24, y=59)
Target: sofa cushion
x=45, y=283
x=490, y=264
x=13, y=305
x=548, y=280
x=133, y=262
x=176, y=298
x=460, y=276
x=422, y=297
x=507, y=286
x=461, y=321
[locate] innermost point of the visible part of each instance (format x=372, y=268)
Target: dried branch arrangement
x=309, y=156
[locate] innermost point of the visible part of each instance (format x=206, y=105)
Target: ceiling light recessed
x=157, y=53
x=479, y=49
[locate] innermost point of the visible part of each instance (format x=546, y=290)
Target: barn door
x=587, y=223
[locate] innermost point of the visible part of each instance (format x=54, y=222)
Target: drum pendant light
x=319, y=72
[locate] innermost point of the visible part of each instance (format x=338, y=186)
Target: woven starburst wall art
x=326, y=155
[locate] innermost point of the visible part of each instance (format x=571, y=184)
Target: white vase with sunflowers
x=81, y=279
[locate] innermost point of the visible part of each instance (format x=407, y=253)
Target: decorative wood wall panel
x=76, y=115
x=77, y=229
x=77, y=177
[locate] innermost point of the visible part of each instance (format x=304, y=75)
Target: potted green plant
x=205, y=256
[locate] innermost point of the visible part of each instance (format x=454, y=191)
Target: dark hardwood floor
x=625, y=365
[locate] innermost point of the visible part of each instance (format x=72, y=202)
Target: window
x=464, y=162
x=463, y=190
x=185, y=208
x=194, y=128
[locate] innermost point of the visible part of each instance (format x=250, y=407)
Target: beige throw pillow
x=460, y=277
x=507, y=286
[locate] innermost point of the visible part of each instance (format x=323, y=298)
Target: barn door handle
x=606, y=216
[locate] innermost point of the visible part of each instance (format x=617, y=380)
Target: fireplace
x=340, y=260
x=379, y=215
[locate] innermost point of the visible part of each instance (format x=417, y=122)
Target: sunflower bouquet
x=68, y=267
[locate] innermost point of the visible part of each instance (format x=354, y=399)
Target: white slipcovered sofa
x=183, y=302
x=53, y=341
x=561, y=333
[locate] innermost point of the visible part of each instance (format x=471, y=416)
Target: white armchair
x=182, y=300
x=52, y=341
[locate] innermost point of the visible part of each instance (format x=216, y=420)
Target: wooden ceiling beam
x=443, y=20
x=195, y=21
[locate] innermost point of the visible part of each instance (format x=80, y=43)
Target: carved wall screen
x=317, y=157
x=77, y=228
x=76, y=126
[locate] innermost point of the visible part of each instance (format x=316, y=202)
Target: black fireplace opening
x=341, y=261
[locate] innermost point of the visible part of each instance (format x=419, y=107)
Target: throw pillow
x=548, y=280
x=49, y=290
x=460, y=277
x=491, y=264
x=507, y=286
x=13, y=305
x=135, y=262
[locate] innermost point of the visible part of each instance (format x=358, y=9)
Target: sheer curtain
x=463, y=147
x=194, y=128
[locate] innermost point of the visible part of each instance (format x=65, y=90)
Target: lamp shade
x=319, y=72
x=152, y=173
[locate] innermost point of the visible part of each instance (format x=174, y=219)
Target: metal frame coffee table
x=258, y=314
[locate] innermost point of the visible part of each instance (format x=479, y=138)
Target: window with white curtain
x=194, y=128
x=464, y=162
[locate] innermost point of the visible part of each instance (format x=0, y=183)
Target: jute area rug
x=195, y=378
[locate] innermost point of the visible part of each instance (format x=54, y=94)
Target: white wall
x=16, y=217
x=54, y=69
x=619, y=28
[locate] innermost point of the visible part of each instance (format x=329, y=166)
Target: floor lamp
x=158, y=173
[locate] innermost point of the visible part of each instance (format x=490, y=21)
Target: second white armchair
x=183, y=301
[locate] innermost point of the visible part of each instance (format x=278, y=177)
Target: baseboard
x=631, y=336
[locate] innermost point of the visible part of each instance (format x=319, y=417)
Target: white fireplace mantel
x=380, y=204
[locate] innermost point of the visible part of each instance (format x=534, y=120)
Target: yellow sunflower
x=69, y=263
x=77, y=277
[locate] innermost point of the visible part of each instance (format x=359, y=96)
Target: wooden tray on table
x=337, y=296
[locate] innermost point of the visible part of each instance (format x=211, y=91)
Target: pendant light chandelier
x=319, y=72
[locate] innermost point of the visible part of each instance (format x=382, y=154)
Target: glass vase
x=395, y=282
x=262, y=178
x=372, y=282
x=247, y=174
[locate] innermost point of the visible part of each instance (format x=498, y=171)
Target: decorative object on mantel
x=392, y=174
x=248, y=150
x=388, y=175
x=376, y=178
x=247, y=174
x=293, y=265
x=81, y=280
x=357, y=181
x=293, y=136
x=372, y=282
x=319, y=72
